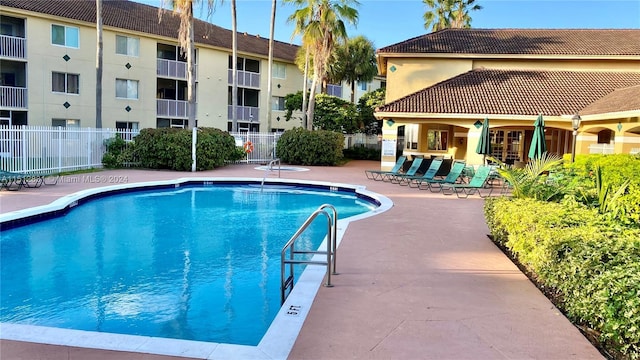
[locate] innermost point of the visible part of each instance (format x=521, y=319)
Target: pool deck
x=420, y=281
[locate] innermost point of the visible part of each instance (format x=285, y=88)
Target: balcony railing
x=245, y=78
x=174, y=69
x=245, y=113
x=172, y=108
x=13, y=97
x=13, y=47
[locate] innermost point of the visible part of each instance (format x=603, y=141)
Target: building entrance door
x=507, y=145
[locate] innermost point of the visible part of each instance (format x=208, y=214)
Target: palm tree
x=354, y=61
x=99, y=64
x=184, y=8
x=445, y=14
x=322, y=25
x=234, y=68
x=270, y=61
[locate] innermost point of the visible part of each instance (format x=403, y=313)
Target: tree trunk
x=353, y=92
x=99, y=64
x=191, y=81
x=312, y=102
x=234, y=68
x=304, y=88
x=270, y=72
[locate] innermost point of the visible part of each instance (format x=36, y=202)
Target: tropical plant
x=336, y=114
x=353, y=61
x=184, y=9
x=366, y=106
x=532, y=181
x=322, y=25
x=445, y=14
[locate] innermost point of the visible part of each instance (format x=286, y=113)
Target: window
x=249, y=65
x=334, y=90
x=65, y=83
x=127, y=45
x=363, y=86
x=65, y=36
x=277, y=103
x=126, y=89
x=437, y=139
x=279, y=70
x=66, y=123
x=172, y=123
x=126, y=125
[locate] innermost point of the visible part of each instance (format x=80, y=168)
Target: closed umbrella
x=538, y=144
x=484, y=143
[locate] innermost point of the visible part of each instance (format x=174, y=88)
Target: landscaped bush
x=360, y=152
x=590, y=263
x=303, y=147
x=168, y=148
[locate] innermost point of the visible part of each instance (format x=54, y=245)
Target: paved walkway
x=420, y=281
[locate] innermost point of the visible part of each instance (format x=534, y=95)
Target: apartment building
x=48, y=69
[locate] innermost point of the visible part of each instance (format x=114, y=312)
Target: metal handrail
x=268, y=169
x=288, y=283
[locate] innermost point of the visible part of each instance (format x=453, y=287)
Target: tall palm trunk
x=234, y=68
x=98, y=64
x=191, y=81
x=304, y=88
x=270, y=74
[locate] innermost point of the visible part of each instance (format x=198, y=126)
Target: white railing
x=244, y=113
x=13, y=47
x=360, y=139
x=13, y=97
x=30, y=149
x=263, y=144
x=172, y=108
x=174, y=69
x=245, y=78
x=601, y=149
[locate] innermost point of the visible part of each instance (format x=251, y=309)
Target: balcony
x=13, y=47
x=245, y=78
x=13, y=97
x=172, y=108
x=245, y=113
x=174, y=69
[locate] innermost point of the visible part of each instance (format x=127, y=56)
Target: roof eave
x=505, y=56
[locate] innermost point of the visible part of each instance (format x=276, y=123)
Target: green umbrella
x=484, y=143
x=538, y=145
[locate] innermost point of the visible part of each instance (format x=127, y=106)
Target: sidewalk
x=420, y=281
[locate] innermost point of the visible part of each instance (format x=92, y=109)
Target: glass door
x=507, y=145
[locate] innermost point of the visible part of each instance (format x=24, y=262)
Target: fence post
x=194, y=139
x=24, y=148
x=59, y=148
x=89, y=136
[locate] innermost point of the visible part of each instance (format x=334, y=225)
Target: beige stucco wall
x=414, y=74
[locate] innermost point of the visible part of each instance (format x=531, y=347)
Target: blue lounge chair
x=415, y=166
x=12, y=181
x=477, y=183
x=435, y=185
x=379, y=175
x=429, y=174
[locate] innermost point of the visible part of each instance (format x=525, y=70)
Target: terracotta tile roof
x=134, y=16
x=610, y=42
x=514, y=92
x=627, y=99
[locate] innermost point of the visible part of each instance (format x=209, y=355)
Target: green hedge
x=303, y=147
x=360, y=152
x=168, y=148
x=592, y=264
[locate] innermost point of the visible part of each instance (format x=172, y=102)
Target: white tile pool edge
x=275, y=344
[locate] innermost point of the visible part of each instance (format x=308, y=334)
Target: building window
x=172, y=123
x=65, y=123
x=243, y=64
x=126, y=89
x=279, y=70
x=127, y=45
x=363, y=86
x=437, y=139
x=334, y=90
x=65, y=36
x=126, y=125
x=65, y=83
x=277, y=103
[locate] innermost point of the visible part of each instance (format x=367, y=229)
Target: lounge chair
x=435, y=185
x=12, y=181
x=412, y=171
x=415, y=179
x=379, y=175
x=477, y=183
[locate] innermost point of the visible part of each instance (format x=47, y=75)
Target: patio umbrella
x=538, y=145
x=484, y=143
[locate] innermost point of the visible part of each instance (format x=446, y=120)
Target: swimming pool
x=163, y=296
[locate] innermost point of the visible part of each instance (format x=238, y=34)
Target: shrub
x=114, y=158
x=360, y=152
x=589, y=261
x=303, y=147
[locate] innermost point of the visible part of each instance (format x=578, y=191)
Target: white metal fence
x=262, y=146
x=30, y=149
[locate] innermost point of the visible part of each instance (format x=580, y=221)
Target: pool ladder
x=269, y=169
x=289, y=247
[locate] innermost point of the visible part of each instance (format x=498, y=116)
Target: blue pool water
x=196, y=262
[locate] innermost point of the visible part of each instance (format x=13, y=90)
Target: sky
x=386, y=22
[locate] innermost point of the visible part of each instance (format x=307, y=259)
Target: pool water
x=197, y=262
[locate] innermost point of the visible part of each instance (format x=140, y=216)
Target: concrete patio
x=420, y=281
